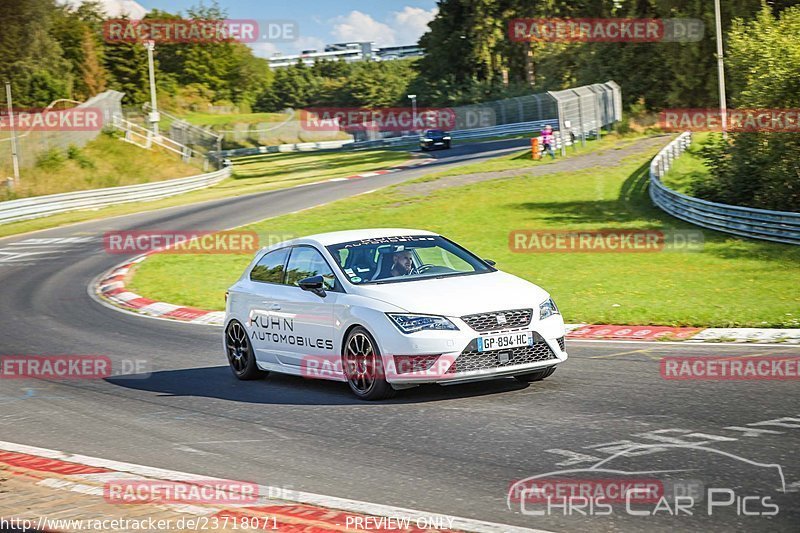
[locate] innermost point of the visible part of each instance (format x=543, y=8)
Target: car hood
x=459, y=295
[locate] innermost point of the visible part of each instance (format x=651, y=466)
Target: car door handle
x=274, y=307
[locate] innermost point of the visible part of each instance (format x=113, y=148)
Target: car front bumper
x=434, y=144
x=452, y=356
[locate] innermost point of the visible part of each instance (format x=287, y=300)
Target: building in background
x=349, y=52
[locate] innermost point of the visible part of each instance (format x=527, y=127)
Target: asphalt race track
x=452, y=450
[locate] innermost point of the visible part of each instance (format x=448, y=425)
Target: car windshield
x=404, y=258
x=431, y=133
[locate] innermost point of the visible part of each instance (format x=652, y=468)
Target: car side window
x=270, y=267
x=305, y=262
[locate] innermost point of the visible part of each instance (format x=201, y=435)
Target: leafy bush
x=74, y=153
x=51, y=159
x=759, y=169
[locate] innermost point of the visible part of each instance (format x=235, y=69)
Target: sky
x=387, y=22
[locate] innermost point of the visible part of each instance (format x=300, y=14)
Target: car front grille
x=515, y=318
x=471, y=359
x=562, y=343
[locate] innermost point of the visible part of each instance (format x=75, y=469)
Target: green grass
x=732, y=282
x=219, y=119
x=297, y=168
x=252, y=174
x=244, y=130
x=106, y=161
x=524, y=159
x=689, y=167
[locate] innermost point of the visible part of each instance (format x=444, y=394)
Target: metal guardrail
x=581, y=111
x=40, y=206
x=532, y=127
x=494, y=131
x=322, y=146
x=777, y=226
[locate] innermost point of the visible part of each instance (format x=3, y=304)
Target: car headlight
x=547, y=308
x=427, y=139
x=446, y=138
x=412, y=323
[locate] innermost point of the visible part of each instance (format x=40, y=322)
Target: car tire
x=239, y=350
x=447, y=146
x=538, y=375
x=363, y=366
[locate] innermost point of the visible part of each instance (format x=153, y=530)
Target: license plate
x=438, y=143
x=488, y=343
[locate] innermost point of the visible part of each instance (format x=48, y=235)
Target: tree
x=223, y=69
x=92, y=80
x=470, y=57
x=126, y=64
x=762, y=168
x=32, y=59
x=78, y=32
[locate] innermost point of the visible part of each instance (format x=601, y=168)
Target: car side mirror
x=313, y=284
x=489, y=262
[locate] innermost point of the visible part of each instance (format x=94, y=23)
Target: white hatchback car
x=388, y=309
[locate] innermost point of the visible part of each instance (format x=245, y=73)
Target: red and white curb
x=640, y=333
x=111, y=288
x=688, y=334
x=398, y=168
x=317, y=513
x=754, y=335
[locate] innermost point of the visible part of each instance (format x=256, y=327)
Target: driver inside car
x=402, y=263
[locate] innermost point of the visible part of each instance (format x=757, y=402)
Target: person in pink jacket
x=548, y=140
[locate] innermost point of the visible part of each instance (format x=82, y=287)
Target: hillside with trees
x=51, y=51
x=469, y=56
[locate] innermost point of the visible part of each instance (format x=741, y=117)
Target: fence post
x=597, y=114
x=538, y=99
x=560, y=111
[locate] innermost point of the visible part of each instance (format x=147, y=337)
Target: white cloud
x=116, y=8
x=411, y=23
x=264, y=49
x=306, y=43
x=269, y=49
x=402, y=27
x=358, y=26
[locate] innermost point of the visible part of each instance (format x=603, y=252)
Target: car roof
x=337, y=237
